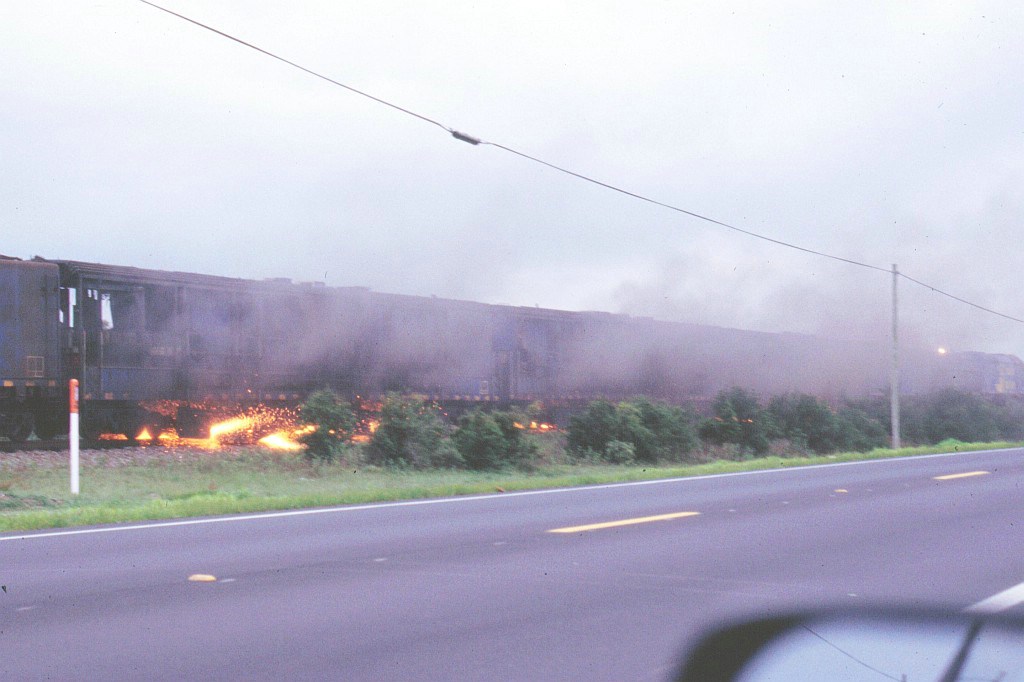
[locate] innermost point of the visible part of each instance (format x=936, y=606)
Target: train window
x=212, y=310
x=243, y=310
x=90, y=310
x=196, y=346
x=127, y=308
x=106, y=313
x=160, y=308
x=68, y=302
x=109, y=308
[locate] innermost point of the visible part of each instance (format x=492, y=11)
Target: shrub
x=492, y=441
x=333, y=420
x=930, y=418
x=619, y=452
x=653, y=430
x=740, y=419
x=479, y=440
x=411, y=433
x=805, y=420
x=674, y=434
x=861, y=432
x=954, y=414
x=593, y=428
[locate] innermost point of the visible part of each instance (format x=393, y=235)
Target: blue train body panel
x=29, y=324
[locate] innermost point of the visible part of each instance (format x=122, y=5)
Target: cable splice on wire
x=464, y=137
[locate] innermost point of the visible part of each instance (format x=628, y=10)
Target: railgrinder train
x=155, y=350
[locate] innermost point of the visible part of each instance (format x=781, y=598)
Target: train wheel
x=49, y=426
x=89, y=431
x=147, y=425
x=17, y=427
x=154, y=429
x=45, y=429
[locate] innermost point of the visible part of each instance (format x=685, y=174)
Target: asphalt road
x=480, y=588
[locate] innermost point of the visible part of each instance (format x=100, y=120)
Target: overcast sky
x=880, y=132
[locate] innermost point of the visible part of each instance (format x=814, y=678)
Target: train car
x=154, y=350
x=145, y=343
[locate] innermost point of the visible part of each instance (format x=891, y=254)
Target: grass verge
x=36, y=497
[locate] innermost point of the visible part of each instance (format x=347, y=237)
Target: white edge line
x=471, y=498
x=1000, y=601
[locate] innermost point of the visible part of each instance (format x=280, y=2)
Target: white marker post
x=73, y=433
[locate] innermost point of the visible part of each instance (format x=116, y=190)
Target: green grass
x=35, y=496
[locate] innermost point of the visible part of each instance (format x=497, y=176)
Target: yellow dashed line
x=202, y=578
x=623, y=522
x=948, y=477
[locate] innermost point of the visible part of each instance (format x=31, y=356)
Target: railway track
x=62, y=444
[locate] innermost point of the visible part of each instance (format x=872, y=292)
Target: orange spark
x=280, y=441
x=286, y=439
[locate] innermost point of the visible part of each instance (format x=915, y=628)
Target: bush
x=739, y=418
x=591, y=429
x=672, y=427
x=930, y=418
x=411, y=433
x=334, y=423
x=805, y=420
x=653, y=431
x=493, y=441
x=860, y=432
x=952, y=414
x=619, y=452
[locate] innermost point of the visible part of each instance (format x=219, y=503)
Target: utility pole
x=894, y=371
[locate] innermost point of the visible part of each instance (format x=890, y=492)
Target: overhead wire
x=693, y=214
x=311, y=72
x=957, y=298
x=478, y=141
x=464, y=137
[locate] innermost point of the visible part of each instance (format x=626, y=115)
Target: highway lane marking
x=950, y=477
x=1000, y=601
x=473, y=498
x=623, y=522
